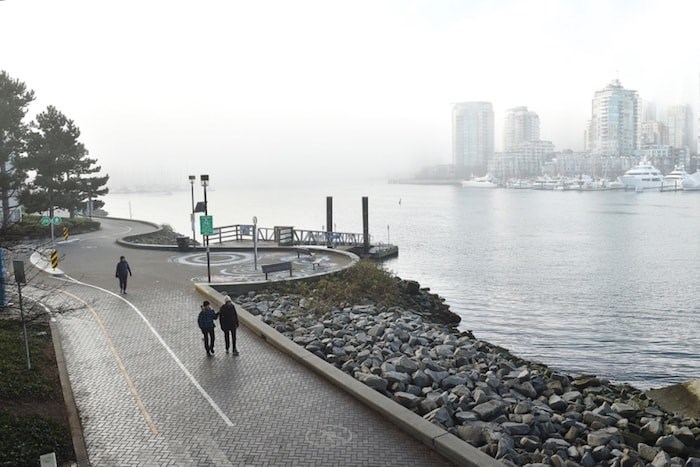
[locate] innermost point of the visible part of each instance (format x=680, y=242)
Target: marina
x=588, y=284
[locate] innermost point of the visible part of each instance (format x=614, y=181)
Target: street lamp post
x=89, y=190
x=194, y=241
x=205, y=182
x=255, y=242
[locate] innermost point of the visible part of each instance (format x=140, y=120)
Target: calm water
x=599, y=282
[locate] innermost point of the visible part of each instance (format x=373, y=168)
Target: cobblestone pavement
x=148, y=394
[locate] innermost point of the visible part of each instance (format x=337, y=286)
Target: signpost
x=206, y=228
x=206, y=225
x=20, y=278
x=51, y=221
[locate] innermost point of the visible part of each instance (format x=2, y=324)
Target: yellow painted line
x=120, y=362
x=167, y=348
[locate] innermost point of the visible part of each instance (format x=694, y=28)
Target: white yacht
x=544, y=183
x=480, y=182
x=692, y=182
x=674, y=179
x=642, y=177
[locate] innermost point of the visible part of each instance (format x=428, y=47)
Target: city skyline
x=236, y=87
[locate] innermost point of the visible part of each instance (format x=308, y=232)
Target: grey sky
x=169, y=88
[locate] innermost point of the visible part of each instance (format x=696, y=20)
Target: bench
x=312, y=257
x=275, y=267
x=306, y=251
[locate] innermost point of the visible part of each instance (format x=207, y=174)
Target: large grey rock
x=685, y=435
x=506, y=447
x=373, y=381
x=405, y=365
x=603, y=436
x=490, y=410
x=444, y=351
x=662, y=459
x=526, y=389
x=452, y=381
x=440, y=416
x=396, y=377
x=652, y=430
x=647, y=452
x=591, y=417
x=406, y=399
x=516, y=429
x=376, y=331
x=421, y=379
x=671, y=444
x=473, y=435
x=557, y=403
x=436, y=376
x=571, y=396
x=556, y=444
x=628, y=409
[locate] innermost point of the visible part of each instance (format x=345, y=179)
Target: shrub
x=365, y=282
x=23, y=439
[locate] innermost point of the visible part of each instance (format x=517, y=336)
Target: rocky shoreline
x=519, y=412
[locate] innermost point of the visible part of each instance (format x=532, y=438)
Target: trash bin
x=183, y=244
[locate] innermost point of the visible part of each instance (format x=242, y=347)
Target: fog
x=273, y=89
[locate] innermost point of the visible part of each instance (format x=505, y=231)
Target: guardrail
x=284, y=235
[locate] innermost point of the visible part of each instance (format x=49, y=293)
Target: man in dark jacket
x=205, y=321
x=123, y=271
x=228, y=317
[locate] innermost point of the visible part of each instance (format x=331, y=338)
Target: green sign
x=45, y=220
x=206, y=225
x=57, y=220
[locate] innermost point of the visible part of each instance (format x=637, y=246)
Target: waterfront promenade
x=147, y=393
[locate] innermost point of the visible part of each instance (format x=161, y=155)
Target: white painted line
x=179, y=363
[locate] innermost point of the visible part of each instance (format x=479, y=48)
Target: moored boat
x=544, y=183
x=642, y=177
x=480, y=182
x=692, y=182
x=674, y=179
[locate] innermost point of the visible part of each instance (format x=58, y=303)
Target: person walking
x=123, y=271
x=205, y=320
x=228, y=317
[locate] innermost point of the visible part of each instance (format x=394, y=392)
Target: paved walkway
x=148, y=395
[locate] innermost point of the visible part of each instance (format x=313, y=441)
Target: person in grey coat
x=228, y=317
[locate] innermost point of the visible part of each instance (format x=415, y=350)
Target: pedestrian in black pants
x=123, y=271
x=205, y=320
x=228, y=317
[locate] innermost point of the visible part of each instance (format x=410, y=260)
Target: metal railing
x=285, y=235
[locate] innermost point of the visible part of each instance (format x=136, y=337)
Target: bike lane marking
x=175, y=358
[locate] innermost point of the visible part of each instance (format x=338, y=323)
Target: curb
x=446, y=444
x=76, y=429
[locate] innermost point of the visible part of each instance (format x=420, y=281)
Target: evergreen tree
x=14, y=100
x=61, y=166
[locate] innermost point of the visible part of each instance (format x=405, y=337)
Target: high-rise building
x=648, y=110
x=653, y=133
x=472, y=137
x=614, y=128
x=679, y=120
x=520, y=126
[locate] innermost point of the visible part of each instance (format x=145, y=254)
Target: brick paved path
x=148, y=394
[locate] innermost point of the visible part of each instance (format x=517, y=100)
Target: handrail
x=238, y=232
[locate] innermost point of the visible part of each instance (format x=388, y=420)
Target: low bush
x=33, y=417
x=365, y=282
x=30, y=227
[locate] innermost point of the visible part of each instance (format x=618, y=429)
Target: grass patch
x=365, y=282
x=33, y=418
